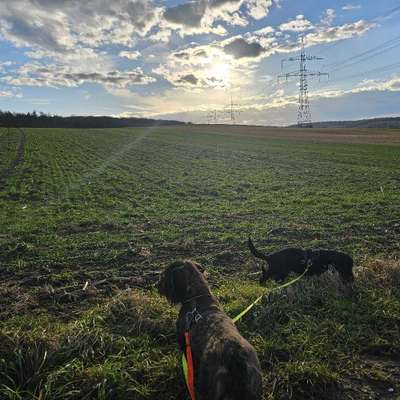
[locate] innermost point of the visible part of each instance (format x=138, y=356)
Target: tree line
x=41, y=120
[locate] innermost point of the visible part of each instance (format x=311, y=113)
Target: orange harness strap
x=190, y=378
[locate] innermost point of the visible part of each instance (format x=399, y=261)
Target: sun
x=220, y=71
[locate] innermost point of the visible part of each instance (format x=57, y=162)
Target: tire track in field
x=19, y=159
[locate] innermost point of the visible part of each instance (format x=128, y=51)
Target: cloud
x=259, y=9
x=223, y=3
x=199, y=66
x=209, y=66
x=203, y=16
x=187, y=14
x=266, y=31
x=11, y=93
x=196, y=17
x=334, y=33
x=240, y=48
x=53, y=75
x=300, y=24
x=161, y=36
x=329, y=16
x=64, y=26
x=130, y=55
x=391, y=85
x=350, y=7
x=5, y=65
x=277, y=108
x=190, y=79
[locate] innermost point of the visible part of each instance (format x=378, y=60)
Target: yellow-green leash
x=244, y=312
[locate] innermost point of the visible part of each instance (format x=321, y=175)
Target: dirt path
x=19, y=158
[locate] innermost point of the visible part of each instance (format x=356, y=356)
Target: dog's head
x=183, y=280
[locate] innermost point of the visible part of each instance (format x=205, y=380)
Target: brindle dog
x=283, y=262
x=226, y=366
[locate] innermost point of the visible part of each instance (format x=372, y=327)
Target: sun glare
x=220, y=71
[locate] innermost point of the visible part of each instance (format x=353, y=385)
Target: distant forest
x=41, y=120
x=376, y=123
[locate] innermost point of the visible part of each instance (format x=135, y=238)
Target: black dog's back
x=289, y=255
x=343, y=263
x=293, y=257
x=281, y=263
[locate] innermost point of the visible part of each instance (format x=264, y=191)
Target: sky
x=182, y=60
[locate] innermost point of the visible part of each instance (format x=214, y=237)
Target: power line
x=332, y=45
x=384, y=68
x=388, y=13
x=373, y=52
x=366, y=58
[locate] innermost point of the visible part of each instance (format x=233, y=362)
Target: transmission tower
x=211, y=117
x=304, y=113
x=232, y=110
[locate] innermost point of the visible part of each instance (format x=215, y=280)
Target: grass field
x=89, y=218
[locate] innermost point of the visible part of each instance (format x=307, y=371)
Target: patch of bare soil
x=344, y=135
x=86, y=227
x=380, y=380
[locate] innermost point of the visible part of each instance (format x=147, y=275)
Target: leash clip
x=192, y=317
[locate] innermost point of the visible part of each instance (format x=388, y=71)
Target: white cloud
x=161, y=36
x=334, y=33
x=350, y=7
x=203, y=16
x=13, y=92
x=259, y=9
x=130, y=55
x=64, y=26
x=54, y=75
x=329, y=16
x=300, y=24
x=5, y=65
x=267, y=31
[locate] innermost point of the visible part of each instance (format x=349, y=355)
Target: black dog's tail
x=255, y=252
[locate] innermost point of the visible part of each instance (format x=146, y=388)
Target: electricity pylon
x=211, y=117
x=232, y=110
x=304, y=113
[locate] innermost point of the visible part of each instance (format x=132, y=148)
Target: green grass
x=112, y=207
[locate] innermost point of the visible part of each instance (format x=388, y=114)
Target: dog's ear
x=180, y=284
x=172, y=283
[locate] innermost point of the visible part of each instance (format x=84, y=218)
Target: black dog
x=226, y=366
x=320, y=260
x=283, y=262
